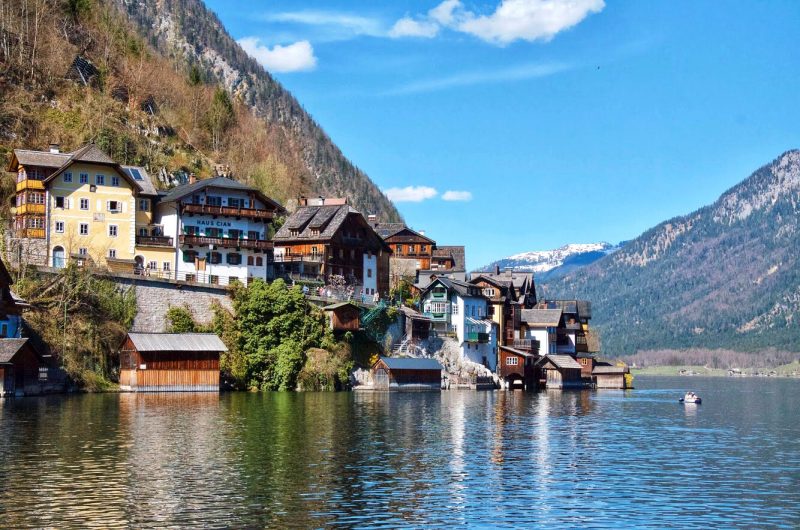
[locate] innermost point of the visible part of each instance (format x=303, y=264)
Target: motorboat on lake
x=691, y=397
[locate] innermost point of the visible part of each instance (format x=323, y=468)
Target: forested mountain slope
x=725, y=276
x=167, y=88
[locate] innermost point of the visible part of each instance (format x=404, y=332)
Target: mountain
x=162, y=84
x=724, y=276
x=556, y=262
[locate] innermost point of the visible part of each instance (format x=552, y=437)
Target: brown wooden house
x=170, y=362
x=607, y=376
x=417, y=326
x=327, y=237
x=400, y=373
x=560, y=371
x=518, y=368
x=19, y=368
x=406, y=243
x=345, y=316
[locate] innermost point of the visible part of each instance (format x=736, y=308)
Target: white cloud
x=451, y=195
x=408, y=27
x=444, y=13
x=334, y=25
x=481, y=77
x=295, y=57
x=411, y=193
x=528, y=20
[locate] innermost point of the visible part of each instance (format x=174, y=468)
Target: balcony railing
x=154, y=241
x=526, y=344
x=296, y=258
x=201, y=241
x=252, y=213
x=30, y=208
x=482, y=338
x=32, y=233
x=30, y=184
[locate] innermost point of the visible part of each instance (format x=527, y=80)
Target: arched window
x=58, y=258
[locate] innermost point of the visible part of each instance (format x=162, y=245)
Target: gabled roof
x=411, y=363
x=609, y=370
x=561, y=361
x=225, y=183
x=153, y=342
x=460, y=288
x=387, y=229
x=517, y=352
x=400, y=233
x=27, y=157
x=320, y=223
x=541, y=317
x=9, y=348
x=457, y=253
x=340, y=305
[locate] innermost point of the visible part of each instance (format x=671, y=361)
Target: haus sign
x=211, y=222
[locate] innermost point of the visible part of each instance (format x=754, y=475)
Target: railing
x=227, y=210
x=30, y=184
x=32, y=233
x=524, y=344
x=154, y=241
x=225, y=242
x=29, y=208
x=480, y=337
x=293, y=258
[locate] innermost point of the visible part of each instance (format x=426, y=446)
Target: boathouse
x=560, y=371
x=345, y=316
x=19, y=368
x=170, y=362
x=417, y=325
x=517, y=368
x=400, y=373
x=606, y=376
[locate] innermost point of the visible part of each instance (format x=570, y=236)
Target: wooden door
x=381, y=379
x=200, y=264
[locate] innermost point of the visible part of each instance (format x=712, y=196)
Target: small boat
x=691, y=397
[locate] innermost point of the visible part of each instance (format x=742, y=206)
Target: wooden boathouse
x=170, y=362
x=402, y=373
x=560, y=371
x=607, y=376
x=19, y=368
x=345, y=316
x=518, y=368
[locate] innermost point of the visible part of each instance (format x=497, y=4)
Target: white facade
x=370, y=275
x=543, y=334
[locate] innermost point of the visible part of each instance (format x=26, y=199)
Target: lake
x=482, y=459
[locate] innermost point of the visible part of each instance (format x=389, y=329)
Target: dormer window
x=315, y=231
x=294, y=233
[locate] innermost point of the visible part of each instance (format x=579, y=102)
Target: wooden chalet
x=327, y=237
x=560, y=371
x=587, y=362
x=607, y=376
x=449, y=258
x=20, y=369
x=345, y=316
x=170, y=362
x=406, y=243
x=518, y=368
x=397, y=373
x=417, y=326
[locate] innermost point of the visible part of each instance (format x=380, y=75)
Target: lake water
x=484, y=459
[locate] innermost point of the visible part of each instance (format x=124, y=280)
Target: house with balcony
x=213, y=231
x=326, y=237
x=412, y=251
x=573, y=335
x=460, y=310
x=79, y=205
x=539, y=326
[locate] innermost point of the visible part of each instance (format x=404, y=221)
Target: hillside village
x=83, y=210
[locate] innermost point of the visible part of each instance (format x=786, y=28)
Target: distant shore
x=786, y=370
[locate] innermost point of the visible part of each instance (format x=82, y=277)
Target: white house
x=220, y=230
x=460, y=310
x=542, y=325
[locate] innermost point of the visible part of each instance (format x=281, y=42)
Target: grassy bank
x=786, y=370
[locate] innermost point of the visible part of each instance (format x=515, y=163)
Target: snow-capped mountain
x=557, y=261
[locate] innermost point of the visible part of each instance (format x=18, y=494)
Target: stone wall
x=25, y=251
x=155, y=297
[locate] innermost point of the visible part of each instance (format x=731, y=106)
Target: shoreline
x=789, y=371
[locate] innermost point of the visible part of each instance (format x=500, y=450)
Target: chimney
x=192, y=178
x=372, y=218
x=54, y=148
x=508, y=271
x=497, y=270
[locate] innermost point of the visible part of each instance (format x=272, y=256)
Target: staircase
x=368, y=317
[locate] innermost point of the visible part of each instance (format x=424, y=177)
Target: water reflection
x=563, y=459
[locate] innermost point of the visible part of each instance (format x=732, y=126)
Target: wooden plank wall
x=177, y=380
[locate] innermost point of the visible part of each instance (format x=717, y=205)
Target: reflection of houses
x=560, y=371
x=459, y=309
x=170, y=362
x=518, y=368
x=210, y=231
x=344, y=316
x=325, y=238
x=399, y=373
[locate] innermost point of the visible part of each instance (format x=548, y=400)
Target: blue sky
x=548, y=121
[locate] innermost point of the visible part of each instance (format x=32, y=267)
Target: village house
x=411, y=250
x=344, y=316
x=459, y=309
x=213, y=231
x=327, y=237
x=560, y=371
x=79, y=205
x=11, y=306
x=517, y=368
x=605, y=375
x=539, y=327
x=170, y=362
x=398, y=373
x=573, y=333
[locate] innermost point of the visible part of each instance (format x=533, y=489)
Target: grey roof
x=517, y=352
x=461, y=288
x=388, y=229
x=142, y=179
x=326, y=219
x=227, y=183
x=563, y=361
x=520, y=280
x=177, y=342
x=92, y=154
x=457, y=252
x=337, y=306
x=541, y=317
x=610, y=370
x=9, y=348
x=27, y=157
x=410, y=363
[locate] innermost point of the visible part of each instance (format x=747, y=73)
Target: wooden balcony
x=154, y=241
x=299, y=258
x=481, y=338
x=30, y=184
x=203, y=241
x=31, y=233
x=530, y=345
x=28, y=209
x=250, y=213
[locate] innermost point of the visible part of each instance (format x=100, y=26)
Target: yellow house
x=92, y=207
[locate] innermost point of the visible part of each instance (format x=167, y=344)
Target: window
x=84, y=229
x=143, y=232
x=213, y=279
x=112, y=253
x=153, y=265
x=35, y=222
x=60, y=202
x=68, y=177
x=191, y=277
x=252, y=234
x=213, y=201
x=250, y=261
x=114, y=206
x=437, y=307
x=369, y=273
x=165, y=266
x=398, y=249
x=100, y=180
x=511, y=361
x=83, y=178
x=259, y=261
x=411, y=249
x=214, y=258
x=233, y=202
x=315, y=231
x=341, y=253
x=455, y=309
x=115, y=181
x=83, y=251
x=234, y=259
x=190, y=230
x=60, y=227
x=214, y=232
x=235, y=234
x=144, y=205
x=112, y=230
x=423, y=248
x=489, y=291
x=189, y=257
x=84, y=204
